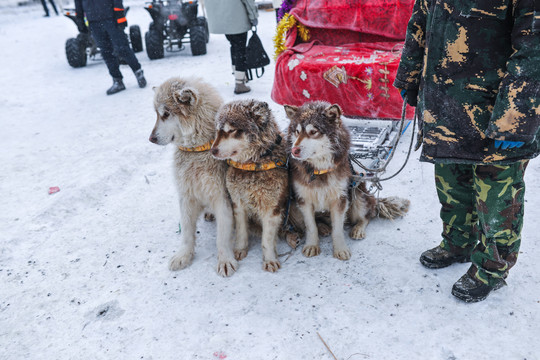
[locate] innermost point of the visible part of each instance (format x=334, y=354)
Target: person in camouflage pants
x=471, y=68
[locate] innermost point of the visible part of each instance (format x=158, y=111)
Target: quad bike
x=79, y=49
x=175, y=22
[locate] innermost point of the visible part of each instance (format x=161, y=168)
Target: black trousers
x=238, y=50
x=47, y=9
x=109, y=36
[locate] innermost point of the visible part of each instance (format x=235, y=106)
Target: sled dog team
x=232, y=161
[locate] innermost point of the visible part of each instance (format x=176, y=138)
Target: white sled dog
x=257, y=178
x=186, y=110
x=321, y=175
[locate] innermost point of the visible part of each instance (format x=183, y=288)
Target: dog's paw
x=271, y=265
x=311, y=250
x=324, y=229
x=358, y=232
x=227, y=268
x=209, y=217
x=293, y=239
x=180, y=261
x=239, y=254
x=342, y=254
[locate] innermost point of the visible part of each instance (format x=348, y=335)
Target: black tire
x=154, y=44
x=76, y=52
x=197, y=40
x=201, y=20
x=135, y=38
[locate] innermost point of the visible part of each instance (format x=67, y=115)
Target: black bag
x=256, y=57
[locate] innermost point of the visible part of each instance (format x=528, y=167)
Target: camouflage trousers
x=482, y=214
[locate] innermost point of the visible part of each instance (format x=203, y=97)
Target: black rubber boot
x=140, y=78
x=470, y=289
x=438, y=257
x=117, y=86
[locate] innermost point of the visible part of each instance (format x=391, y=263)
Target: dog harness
x=258, y=166
x=204, y=147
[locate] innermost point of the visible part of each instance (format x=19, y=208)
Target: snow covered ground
x=83, y=272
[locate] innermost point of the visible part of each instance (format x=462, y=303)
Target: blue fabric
x=508, y=144
x=110, y=37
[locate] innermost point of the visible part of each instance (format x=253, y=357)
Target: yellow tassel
x=285, y=24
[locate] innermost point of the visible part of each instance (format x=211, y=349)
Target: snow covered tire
x=197, y=40
x=154, y=44
x=76, y=52
x=135, y=38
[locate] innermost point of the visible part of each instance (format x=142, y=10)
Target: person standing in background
x=107, y=21
x=234, y=18
x=44, y=3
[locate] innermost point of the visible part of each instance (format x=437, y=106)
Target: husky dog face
x=315, y=132
x=243, y=128
x=176, y=105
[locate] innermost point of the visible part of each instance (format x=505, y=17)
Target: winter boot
x=117, y=86
x=470, y=289
x=140, y=78
x=438, y=257
x=240, y=82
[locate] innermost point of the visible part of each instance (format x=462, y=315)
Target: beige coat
x=230, y=16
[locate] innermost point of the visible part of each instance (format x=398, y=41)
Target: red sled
x=350, y=59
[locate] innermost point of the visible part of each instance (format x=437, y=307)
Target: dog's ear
x=260, y=109
x=291, y=111
x=186, y=96
x=333, y=112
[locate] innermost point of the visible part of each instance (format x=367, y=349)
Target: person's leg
x=455, y=190
x=54, y=6
x=238, y=58
x=45, y=7
x=456, y=195
x=100, y=34
x=103, y=41
x=121, y=44
x=500, y=193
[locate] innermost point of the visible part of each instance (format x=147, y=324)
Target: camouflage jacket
x=476, y=66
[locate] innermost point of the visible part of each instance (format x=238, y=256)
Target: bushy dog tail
x=392, y=207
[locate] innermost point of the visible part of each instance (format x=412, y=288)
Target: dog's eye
x=313, y=132
x=238, y=131
x=297, y=132
x=165, y=115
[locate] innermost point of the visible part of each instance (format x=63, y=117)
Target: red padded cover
x=386, y=18
x=358, y=77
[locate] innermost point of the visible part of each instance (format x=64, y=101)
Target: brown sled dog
x=257, y=179
x=321, y=175
x=186, y=110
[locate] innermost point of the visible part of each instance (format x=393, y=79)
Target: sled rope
x=320, y=337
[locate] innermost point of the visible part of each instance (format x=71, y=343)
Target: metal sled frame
x=373, y=143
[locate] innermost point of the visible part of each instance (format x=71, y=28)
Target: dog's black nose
x=296, y=151
x=153, y=139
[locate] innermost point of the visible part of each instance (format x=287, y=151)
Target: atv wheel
x=154, y=44
x=201, y=20
x=197, y=40
x=76, y=52
x=136, y=38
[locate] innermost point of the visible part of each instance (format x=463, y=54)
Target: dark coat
x=98, y=10
x=476, y=64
